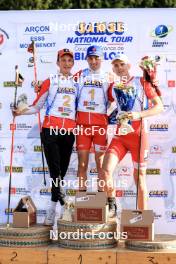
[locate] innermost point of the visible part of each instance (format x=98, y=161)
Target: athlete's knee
x=82, y=166
x=99, y=164
x=106, y=170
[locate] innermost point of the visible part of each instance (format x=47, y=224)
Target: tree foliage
x=73, y=4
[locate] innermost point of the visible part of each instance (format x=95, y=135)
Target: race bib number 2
x=67, y=100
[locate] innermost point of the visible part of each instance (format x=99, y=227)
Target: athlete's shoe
x=50, y=217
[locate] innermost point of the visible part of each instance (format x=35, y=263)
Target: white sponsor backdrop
x=134, y=32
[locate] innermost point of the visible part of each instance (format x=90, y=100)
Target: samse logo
x=153, y=171
x=14, y=169
x=100, y=28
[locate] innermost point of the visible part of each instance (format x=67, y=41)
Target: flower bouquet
x=125, y=96
x=148, y=65
x=22, y=104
